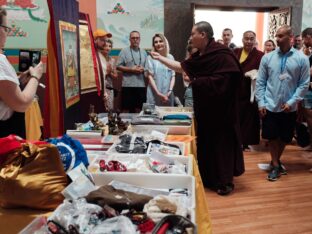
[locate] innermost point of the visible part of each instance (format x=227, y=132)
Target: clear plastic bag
x=119, y=224
x=79, y=214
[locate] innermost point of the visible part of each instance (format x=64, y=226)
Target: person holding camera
x=13, y=100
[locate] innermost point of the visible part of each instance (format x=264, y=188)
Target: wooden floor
x=263, y=207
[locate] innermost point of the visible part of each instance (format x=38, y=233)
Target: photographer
x=13, y=101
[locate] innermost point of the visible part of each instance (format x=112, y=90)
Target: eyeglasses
x=6, y=28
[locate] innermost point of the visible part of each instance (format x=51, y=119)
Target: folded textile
x=177, y=116
x=117, y=198
x=139, y=120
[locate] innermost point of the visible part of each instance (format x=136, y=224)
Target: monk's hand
x=262, y=111
x=286, y=108
x=155, y=55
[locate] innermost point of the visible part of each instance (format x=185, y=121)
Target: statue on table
x=115, y=124
x=97, y=124
x=122, y=126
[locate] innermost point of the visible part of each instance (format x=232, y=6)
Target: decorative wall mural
x=28, y=20
x=68, y=36
x=120, y=17
x=278, y=18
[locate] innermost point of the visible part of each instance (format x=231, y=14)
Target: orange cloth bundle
x=32, y=176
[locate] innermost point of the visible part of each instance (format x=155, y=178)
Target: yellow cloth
x=202, y=213
x=243, y=56
x=33, y=121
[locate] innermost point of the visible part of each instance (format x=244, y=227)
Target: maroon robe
x=216, y=77
x=249, y=114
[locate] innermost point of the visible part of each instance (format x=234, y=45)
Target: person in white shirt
x=13, y=100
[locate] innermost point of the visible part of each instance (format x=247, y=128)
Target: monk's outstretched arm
x=172, y=64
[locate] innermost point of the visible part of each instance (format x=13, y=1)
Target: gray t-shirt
x=129, y=57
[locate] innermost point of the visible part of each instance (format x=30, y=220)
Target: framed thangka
x=277, y=18
x=87, y=74
x=68, y=37
x=28, y=22
x=120, y=17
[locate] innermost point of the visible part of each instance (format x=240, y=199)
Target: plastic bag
x=119, y=224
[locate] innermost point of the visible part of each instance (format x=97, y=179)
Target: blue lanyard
x=283, y=63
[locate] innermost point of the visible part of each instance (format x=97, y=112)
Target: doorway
x=239, y=21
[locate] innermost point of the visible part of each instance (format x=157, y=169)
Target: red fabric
x=147, y=226
x=8, y=144
x=11, y=143
x=249, y=114
x=163, y=228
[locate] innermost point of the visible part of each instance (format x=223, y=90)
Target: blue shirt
x=162, y=76
x=282, y=78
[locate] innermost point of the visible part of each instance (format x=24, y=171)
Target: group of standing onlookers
x=144, y=79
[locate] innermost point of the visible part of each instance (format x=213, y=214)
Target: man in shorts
x=283, y=80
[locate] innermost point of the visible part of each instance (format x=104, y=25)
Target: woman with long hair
x=160, y=78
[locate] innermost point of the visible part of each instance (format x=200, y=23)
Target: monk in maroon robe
x=216, y=75
x=248, y=110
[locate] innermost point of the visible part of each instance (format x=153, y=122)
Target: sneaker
x=274, y=174
x=282, y=168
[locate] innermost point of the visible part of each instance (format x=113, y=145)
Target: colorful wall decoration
x=277, y=18
x=68, y=35
x=120, y=17
x=87, y=74
x=28, y=20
